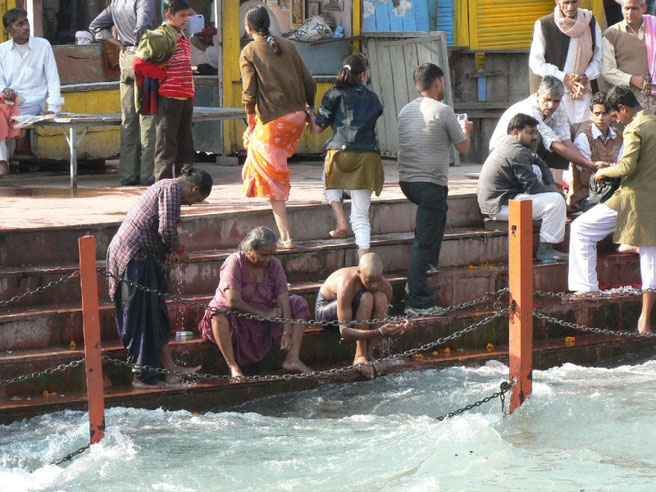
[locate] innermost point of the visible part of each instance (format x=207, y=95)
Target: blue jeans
x=430, y=199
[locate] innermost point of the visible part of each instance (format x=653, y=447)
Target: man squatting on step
x=513, y=172
x=360, y=293
x=630, y=212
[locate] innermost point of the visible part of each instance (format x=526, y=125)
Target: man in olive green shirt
x=630, y=212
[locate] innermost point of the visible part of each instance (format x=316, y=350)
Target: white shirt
x=609, y=70
x=554, y=128
x=578, y=110
x=34, y=77
x=581, y=142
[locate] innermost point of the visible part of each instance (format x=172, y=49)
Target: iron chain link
x=312, y=374
x=501, y=394
x=39, y=290
x=589, y=329
x=387, y=319
x=626, y=291
x=70, y=456
x=43, y=372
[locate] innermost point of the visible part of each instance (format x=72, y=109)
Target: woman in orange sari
x=277, y=91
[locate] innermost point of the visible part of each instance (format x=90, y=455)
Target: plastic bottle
x=339, y=32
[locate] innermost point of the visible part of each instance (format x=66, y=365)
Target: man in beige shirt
x=624, y=61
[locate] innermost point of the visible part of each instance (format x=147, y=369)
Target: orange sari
x=265, y=172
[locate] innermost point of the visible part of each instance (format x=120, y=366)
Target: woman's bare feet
x=186, y=370
x=644, y=327
x=367, y=371
x=339, y=233
x=295, y=365
x=625, y=248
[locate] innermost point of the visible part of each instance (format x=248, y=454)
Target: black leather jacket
x=352, y=113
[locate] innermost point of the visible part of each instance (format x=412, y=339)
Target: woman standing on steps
x=353, y=159
x=277, y=90
x=147, y=237
x=253, y=281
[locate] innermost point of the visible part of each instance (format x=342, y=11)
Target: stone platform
x=41, y=221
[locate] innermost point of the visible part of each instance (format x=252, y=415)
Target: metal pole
x=92, y=345
x=520, y=273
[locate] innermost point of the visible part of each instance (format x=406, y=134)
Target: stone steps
x=208, y=231
x=223, y=396
x=323, y=347
x=59, y=324
x=311, y=260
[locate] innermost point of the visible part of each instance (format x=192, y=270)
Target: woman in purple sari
x=253, y=281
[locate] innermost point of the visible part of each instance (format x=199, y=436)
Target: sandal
x=289, y=244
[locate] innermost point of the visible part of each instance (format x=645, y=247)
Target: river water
x=583, y=429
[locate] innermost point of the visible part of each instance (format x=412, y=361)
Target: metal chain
x=388, y=319
x=503, y=389
x=39, y=290
x=313, y=374
x=589, y=329
x=34, y=375
x=627, y=291
x=70, y=456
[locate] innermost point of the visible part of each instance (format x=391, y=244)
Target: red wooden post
x=92, y=346
x=520, y=273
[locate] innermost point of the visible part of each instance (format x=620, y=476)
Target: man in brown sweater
x=624, y=61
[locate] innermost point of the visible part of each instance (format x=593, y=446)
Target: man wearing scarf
x=630, y=53
x=573, y=38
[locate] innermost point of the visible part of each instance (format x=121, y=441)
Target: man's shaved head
x=371, y=265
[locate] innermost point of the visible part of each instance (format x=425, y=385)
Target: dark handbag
x=600, y=191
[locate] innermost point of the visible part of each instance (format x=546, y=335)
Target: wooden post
x=92, y=346
x=520, y=273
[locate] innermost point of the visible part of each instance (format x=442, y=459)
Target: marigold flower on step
x=419, y=356
x=73, y=345
x=436, y=352
x=490, y=347
x=447, y=351
x=570, y=340
x=45, y=393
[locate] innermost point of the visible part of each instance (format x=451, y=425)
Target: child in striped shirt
x=175, y=146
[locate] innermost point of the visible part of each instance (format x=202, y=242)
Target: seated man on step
x=28, y=78
x=513, y=172
x=359, y=293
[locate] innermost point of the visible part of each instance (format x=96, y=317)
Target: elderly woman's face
x=261, y=257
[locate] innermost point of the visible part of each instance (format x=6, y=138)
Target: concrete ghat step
x=219, y=396
x=208, y=231
x=323, y=347
x=310, y=260
x=35, y=328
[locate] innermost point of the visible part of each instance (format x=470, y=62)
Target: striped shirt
x=179, y=81
x=426, y=128
x=149, y=229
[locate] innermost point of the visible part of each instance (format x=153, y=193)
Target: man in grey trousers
x=131, y=18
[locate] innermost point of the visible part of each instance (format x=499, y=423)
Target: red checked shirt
x=179, y=81
x=149, y=229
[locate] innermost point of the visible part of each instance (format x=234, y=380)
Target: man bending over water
x=359, y=293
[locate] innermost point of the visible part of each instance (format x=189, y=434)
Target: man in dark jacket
x=513, y=172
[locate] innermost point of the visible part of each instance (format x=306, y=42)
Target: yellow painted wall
x=98, y=143
x=500, y=24
x=4, y=6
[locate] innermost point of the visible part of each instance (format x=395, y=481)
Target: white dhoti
x=3, y=150
x=586, y=232
x=548, y=207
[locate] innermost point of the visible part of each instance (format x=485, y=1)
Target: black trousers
x=175, y=140
x=432, y=207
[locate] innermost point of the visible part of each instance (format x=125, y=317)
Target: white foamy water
x=583, y=429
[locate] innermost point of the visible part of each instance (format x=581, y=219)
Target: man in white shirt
x=555, y=143
x=28, y=73
x=573, y=57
